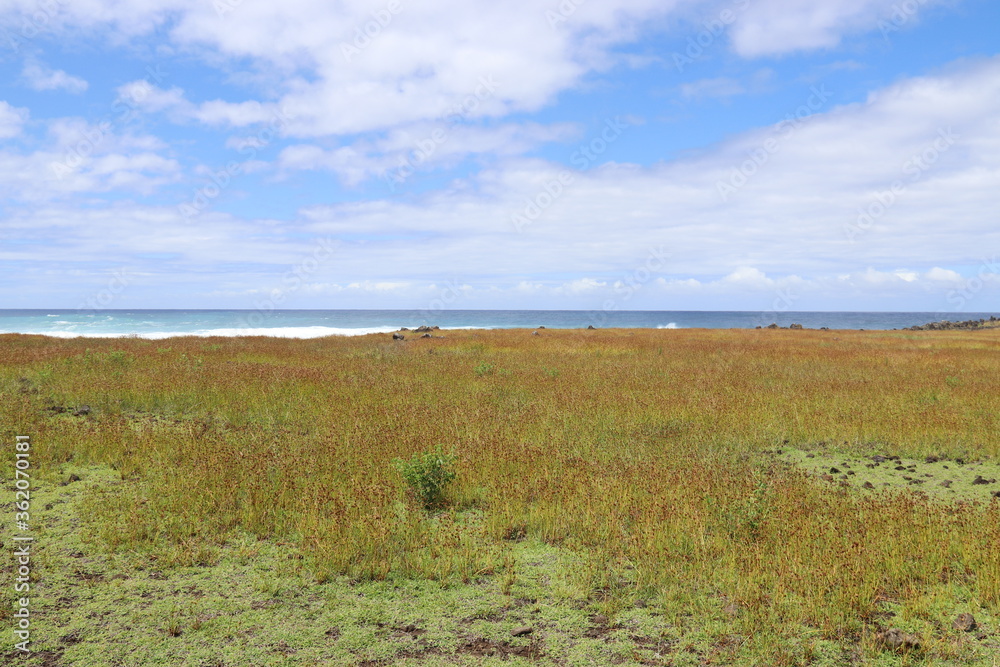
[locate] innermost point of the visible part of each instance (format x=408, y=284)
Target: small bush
x=428, y=474
x=484, y=369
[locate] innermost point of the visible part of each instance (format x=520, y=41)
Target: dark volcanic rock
x=979, y=480
x=398, y=336
x=82, y=411
x=521, y=631
x=965, y=623
x=898, y=640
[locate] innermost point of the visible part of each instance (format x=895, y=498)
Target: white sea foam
x=279, y=332
x=672, y=325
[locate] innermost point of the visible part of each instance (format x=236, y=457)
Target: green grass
x=239, y=503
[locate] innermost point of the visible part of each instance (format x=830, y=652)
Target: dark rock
x=879, y=459
x=965, y=623
x=398, y=336
x=824, y=328
x=995, y=494
x=423, y=329
x=82, y=411
x=590, y=326
x=897, y=640
x=436, y=328
x=900, y=468
x=834, y=471
x=794, y=326
x=810, y=456
x=931, y=459
x=403, y=329
x=426, y=335
x=521, y=631
x=541, y=327
x=946, y=483
x=979, y=480
x=868, y=485
x=72, y=478
x=773, y=325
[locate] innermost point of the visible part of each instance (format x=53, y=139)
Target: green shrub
x=428, y=474
x=484, y=369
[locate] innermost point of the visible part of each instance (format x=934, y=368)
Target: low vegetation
x=667, y=492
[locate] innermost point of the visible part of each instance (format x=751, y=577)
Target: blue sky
x=622, y=154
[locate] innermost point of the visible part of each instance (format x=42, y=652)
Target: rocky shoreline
x=945, y=325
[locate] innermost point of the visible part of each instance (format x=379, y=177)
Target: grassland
x=634, y=497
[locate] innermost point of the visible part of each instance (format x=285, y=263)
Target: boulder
x=773, y=325
x=423, y=329
x=398, y=336
x=897, y=640
x=964, y=623
x=794, y=326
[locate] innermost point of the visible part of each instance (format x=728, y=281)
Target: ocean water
x=317, y=323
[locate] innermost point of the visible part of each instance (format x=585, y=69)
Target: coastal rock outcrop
x=946, y=325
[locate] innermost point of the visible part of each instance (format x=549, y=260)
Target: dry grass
x=640, y=450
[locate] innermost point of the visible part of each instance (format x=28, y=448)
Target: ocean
x=156, y=324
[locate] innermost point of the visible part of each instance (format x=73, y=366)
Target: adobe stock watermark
x=34, y=23
x=631, y=283
x=759, y=156
x=451, y=293
x=219, y=181
x=582, y=158
x=988, y=272
x=21, y=565
x=562, y=12
x=901, y=14
x=425, y=148
x=124, y=110
x=368, y=31
x=914, y=167
x=292, y=281
x=712, y=29
x=120, y=279
x=784, y=299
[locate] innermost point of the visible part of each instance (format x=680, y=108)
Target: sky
x=529, y=154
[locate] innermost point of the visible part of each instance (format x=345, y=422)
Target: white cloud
x=427, y=59
x=12, y=119
x=41, y=77
x=773, y=27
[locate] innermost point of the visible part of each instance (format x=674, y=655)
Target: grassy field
x=687, y=497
